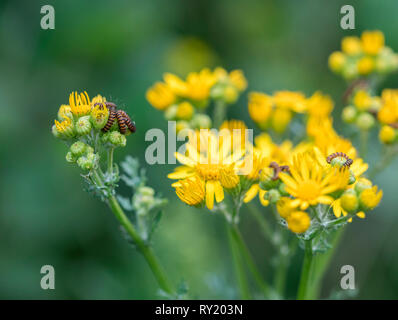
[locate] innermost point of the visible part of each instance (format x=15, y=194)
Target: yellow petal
x=219, y=191
x=210, y=194
x=251, y=193
x=263, y=201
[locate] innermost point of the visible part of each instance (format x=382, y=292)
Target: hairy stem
x=142, y=247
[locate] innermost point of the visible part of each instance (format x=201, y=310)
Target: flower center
x=209, y=171
x=308, y=190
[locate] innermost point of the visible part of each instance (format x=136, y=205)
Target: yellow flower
x=251, y=165
x=260, y=107
x=238, y=79
x=284, y=207
x=207, y=155
x=370, y=198
x=310, y=183
x=388, y=113
x=178, y=86
x=362, y=100
x=366, y=65
x=349, y=201
x=290, y=100
x=185, y=111
x=387, y=134
x=298, y=221
x=79, y=103
x=191, y=190
x=319, y=105
x=281, y=119
x=351, y=45
x=160, y=96
x=338, y=210
x=336, y=61
x=279, y=153
x=65, y=127
x=199, y=84
x=372, y=42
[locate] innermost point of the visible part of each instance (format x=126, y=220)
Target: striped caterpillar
x=122, y=118
x=334, y=155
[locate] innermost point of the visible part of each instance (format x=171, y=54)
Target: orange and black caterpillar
x=277, y=169
x=122, y=118
x=334, y=155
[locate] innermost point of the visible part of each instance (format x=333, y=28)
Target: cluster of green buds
x=270, y=182
x=185, y=100
x=89, y=127
x=362, y=110
x=363, y=57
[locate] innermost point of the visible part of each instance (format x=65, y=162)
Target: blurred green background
x=118, y=49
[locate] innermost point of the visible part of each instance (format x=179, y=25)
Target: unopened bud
x=365, y=121
x=78, y=148
x=349, y=114
x=83, y=125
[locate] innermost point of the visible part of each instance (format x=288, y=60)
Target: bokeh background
x=118, y=49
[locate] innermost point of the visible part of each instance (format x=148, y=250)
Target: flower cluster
x=275, y=111
x=366, y=111
x=185, y=100
x=364, y=56
x=88, y=126
x=322, y=170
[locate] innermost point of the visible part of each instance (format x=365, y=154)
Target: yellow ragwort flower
x=284, y=207
x=260, y=107
x=298, y=221
x=206, y=156
x=199, y=84
x=310, y=183
x=65, y=127
x=362, y=100
x=370, y=198
x=79, y=103
x=319, y=105
x=372, y=42
x=185, y=111
x=336, y=61
x=366, y=65
x=351, y=45
x=238, y=79
x=160, y=96
x=387, y=134
x=291, y=100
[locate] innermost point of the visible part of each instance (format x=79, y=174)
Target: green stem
x=143, y=247
x=110, y=160
x=363, y=144
x=238, y=262
x=220, y=109
x=306, y=272
x=248, y=258
x=322, y=262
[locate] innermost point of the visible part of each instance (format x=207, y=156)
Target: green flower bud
x=231, y=94
x=352, y=178
x=78, y=148
x=87, y=162
x=349, y=201
x=70, y=157
x=117, y=139
x=338, y=161
x=272, y=196
x=83, y=125
x=350, y=71
x=200, y=121
x=171, y=112
x=362, y=184
x=147, y=191
x=349, y=114
x=217, y=92
x=55, y=132
x=282, y=189
x=365, y=121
